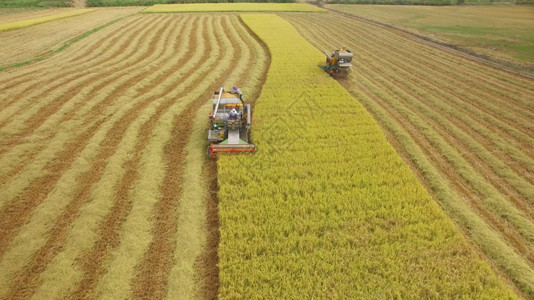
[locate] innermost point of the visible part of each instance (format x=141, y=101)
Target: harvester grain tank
x=229, y=123
x=338, y=64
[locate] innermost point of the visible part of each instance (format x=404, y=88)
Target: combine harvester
x=229, y=124
x=338, y=63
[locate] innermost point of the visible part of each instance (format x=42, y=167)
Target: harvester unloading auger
x=338, y=63
x=229, y=123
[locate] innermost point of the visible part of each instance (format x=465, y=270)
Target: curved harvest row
x=465, y=129
x=25, y=44
x=98, y=144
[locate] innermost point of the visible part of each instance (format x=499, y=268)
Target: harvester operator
x=233, y=114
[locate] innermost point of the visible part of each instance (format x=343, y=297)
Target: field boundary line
x=62, y=47
x=497, y=63
x=40, y=20
x=233, y=7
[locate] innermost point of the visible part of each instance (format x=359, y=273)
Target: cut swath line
x=92, y=261
x=28, y=276
x=153, y=271
x=24, y=63
x=142, y=207
x=99, y=208
x=28, y=171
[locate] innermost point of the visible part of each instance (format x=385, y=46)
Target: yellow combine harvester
x=338, y=63
x=229, y=123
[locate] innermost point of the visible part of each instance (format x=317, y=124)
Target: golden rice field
x=466, y=130
x=327, y=208
x=410, y=179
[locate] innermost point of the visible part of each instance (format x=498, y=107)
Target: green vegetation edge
x=61, y=48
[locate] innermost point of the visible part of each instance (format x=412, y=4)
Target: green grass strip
x=326, y=208
x=61, y=48
x=35, y=21
x=233, y=7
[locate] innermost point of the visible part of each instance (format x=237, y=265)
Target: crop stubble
x=13, y=221
x=114, y=98
x=69, y=155
x=69, y=81
x=27, y=43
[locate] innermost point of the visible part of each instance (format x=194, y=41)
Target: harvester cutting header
x=338, y=63
x=229, y=123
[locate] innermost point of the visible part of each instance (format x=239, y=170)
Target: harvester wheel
x=208, y=153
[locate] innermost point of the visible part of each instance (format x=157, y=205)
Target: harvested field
x=44, y=19
x=466, y=129
x=499, y=32
x=15, y=15
x=29, y=43
x=98, y=143
x=233, y=7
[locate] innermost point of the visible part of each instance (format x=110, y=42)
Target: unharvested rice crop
x=233, y=7
x=39, y=20
x=103, y=188
x=466, y=129
x=326, y=208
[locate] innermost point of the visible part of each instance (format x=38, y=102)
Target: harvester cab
x=229, y=123
x=338, y=64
